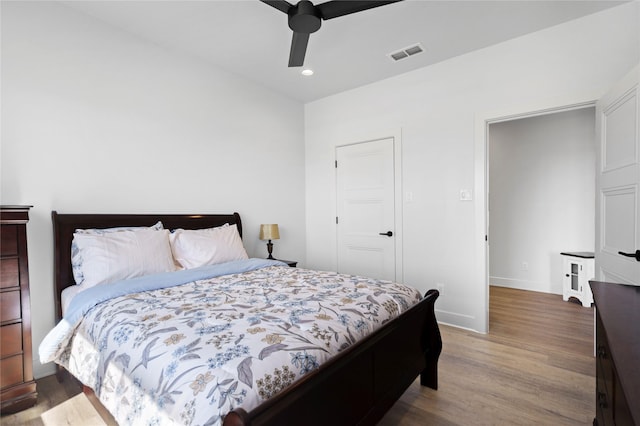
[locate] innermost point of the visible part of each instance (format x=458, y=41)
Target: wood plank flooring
x=58, y=404
x=536, y=366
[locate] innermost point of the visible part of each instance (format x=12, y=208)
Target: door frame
x=481, y=182
x=397, y=191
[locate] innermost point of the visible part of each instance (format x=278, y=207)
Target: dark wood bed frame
x=356, y=387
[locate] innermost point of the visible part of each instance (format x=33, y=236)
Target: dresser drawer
x=11, y=369
x=621, y=409
x=10, y=339
x=604, y=410
x=9, y=273
x=9, y=242
x=604, y=364
x=10, y=305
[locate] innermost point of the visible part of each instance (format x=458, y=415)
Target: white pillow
x=76, y=256
x=194, y=248
x=116, y=256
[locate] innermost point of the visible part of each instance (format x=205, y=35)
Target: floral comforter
x=188, y=354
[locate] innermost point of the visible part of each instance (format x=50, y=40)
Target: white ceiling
x=251, y=39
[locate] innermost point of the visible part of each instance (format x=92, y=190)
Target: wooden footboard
x=358, y=386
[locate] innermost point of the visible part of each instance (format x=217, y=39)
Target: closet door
x=365, y=222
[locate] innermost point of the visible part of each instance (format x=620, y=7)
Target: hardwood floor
x=58, y=404
x=536, y=366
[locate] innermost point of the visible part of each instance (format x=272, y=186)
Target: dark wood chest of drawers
x=17, y=387
x=617, y=354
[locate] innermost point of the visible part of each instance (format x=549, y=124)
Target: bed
x=355, y=386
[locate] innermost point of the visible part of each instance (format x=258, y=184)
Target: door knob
x=636, y=254
x=388, y=233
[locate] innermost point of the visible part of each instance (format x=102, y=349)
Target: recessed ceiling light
x=307, y=72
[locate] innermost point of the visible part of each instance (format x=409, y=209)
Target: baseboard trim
x=539, y=286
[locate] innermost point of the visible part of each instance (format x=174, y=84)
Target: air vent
x=406, y=52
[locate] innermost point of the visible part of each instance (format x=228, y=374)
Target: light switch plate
x=465, y=195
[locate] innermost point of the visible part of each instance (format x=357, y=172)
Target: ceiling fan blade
x=298, y=49
x=336, y=8
x=281, y=5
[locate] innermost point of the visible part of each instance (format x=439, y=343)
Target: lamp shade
x=269, y=232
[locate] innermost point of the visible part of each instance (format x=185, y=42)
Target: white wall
x=436, y=107
x=542, y=197
x=96, y=120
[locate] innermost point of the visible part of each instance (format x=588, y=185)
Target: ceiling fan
x=305, y=18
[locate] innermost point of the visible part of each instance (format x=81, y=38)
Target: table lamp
x=269, y=232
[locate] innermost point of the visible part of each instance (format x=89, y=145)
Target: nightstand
x=291, y=263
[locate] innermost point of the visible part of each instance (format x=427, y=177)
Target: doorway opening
x=541, y=180
x=525, y=263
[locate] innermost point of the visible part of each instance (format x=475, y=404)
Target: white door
x=365, y=207
x=618, y=183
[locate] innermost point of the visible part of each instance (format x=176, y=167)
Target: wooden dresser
x=17, y=387
x=617, y=354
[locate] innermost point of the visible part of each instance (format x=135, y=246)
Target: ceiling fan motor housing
x=304, y=18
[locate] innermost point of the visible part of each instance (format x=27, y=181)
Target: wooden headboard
x=64, y=225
